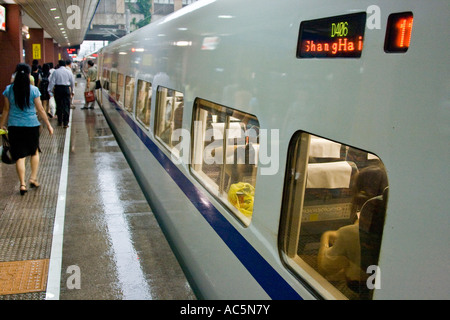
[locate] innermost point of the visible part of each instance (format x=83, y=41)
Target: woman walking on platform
x=22, y=101
x=43, y=88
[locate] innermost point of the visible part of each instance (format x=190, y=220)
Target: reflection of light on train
x=356, y=204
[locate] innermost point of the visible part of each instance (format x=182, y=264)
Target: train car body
x=270, y=67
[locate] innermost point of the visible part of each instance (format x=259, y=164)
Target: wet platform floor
x=111, y=245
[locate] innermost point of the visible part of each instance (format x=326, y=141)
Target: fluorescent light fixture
x=183, y=43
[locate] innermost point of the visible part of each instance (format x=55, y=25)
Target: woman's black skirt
x=45, y=95
x=24, y=141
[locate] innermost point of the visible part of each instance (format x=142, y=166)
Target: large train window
x=129, y=93
x=333, y=214
x=144, y=102
x=120, y=86
x=169, y=115
x=231, y=174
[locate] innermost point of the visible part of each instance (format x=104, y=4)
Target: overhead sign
x=36, y=51
x=333, y=37
x=2, y=18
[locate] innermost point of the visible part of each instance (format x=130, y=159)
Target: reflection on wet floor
x=110, y=232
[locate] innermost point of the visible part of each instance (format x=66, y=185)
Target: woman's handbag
x=89, y=96
x=6, y=151
x=98, y=84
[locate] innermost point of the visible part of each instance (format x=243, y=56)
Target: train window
x=113, y=86
x=105, y=79
x=119, y=92
x=169, y=114
x=144, y=101
x=231, y=174
x=129, y=93
x=334, y=207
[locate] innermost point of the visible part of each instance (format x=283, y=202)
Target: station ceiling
x=66, y=21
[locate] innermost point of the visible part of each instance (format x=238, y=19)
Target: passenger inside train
x=334, y=214
x=339, y=256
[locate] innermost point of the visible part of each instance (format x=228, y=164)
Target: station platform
x=87, y=233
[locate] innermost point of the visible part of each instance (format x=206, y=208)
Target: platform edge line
x=54, y=272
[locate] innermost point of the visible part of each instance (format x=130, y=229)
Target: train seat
x=371, y=223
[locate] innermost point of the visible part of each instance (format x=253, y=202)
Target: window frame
x=158, y=116
x=121, y=98
x=147, y=102
x=105, y=79
x=113, y=84
x=132, y=94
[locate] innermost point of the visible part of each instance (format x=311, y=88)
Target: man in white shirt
x=62, y=85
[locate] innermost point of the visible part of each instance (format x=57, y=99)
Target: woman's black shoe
x=23, y=191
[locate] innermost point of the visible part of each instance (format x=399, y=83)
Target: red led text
x=339, y=46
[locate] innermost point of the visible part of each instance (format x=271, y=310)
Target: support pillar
x=11, y=46
x=34, y=47
x=49, y=51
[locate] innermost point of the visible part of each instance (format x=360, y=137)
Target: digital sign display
x=333, y=37
x=398, y=32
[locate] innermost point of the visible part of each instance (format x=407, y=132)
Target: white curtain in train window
x=129, y=93
x=143, y=102
x=169, y=114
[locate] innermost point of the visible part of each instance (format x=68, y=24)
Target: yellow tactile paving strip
x=23, y=276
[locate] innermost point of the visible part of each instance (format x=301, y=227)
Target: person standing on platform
x=22, y=102
x=43, y=88
x=62, y=84
x=91, y=78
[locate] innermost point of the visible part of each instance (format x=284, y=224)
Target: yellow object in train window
x=241, y=195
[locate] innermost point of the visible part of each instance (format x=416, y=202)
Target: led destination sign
x=334, y=37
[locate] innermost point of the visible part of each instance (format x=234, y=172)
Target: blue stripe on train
x=275, y=286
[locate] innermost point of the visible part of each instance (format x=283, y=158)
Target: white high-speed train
x=293, y=149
